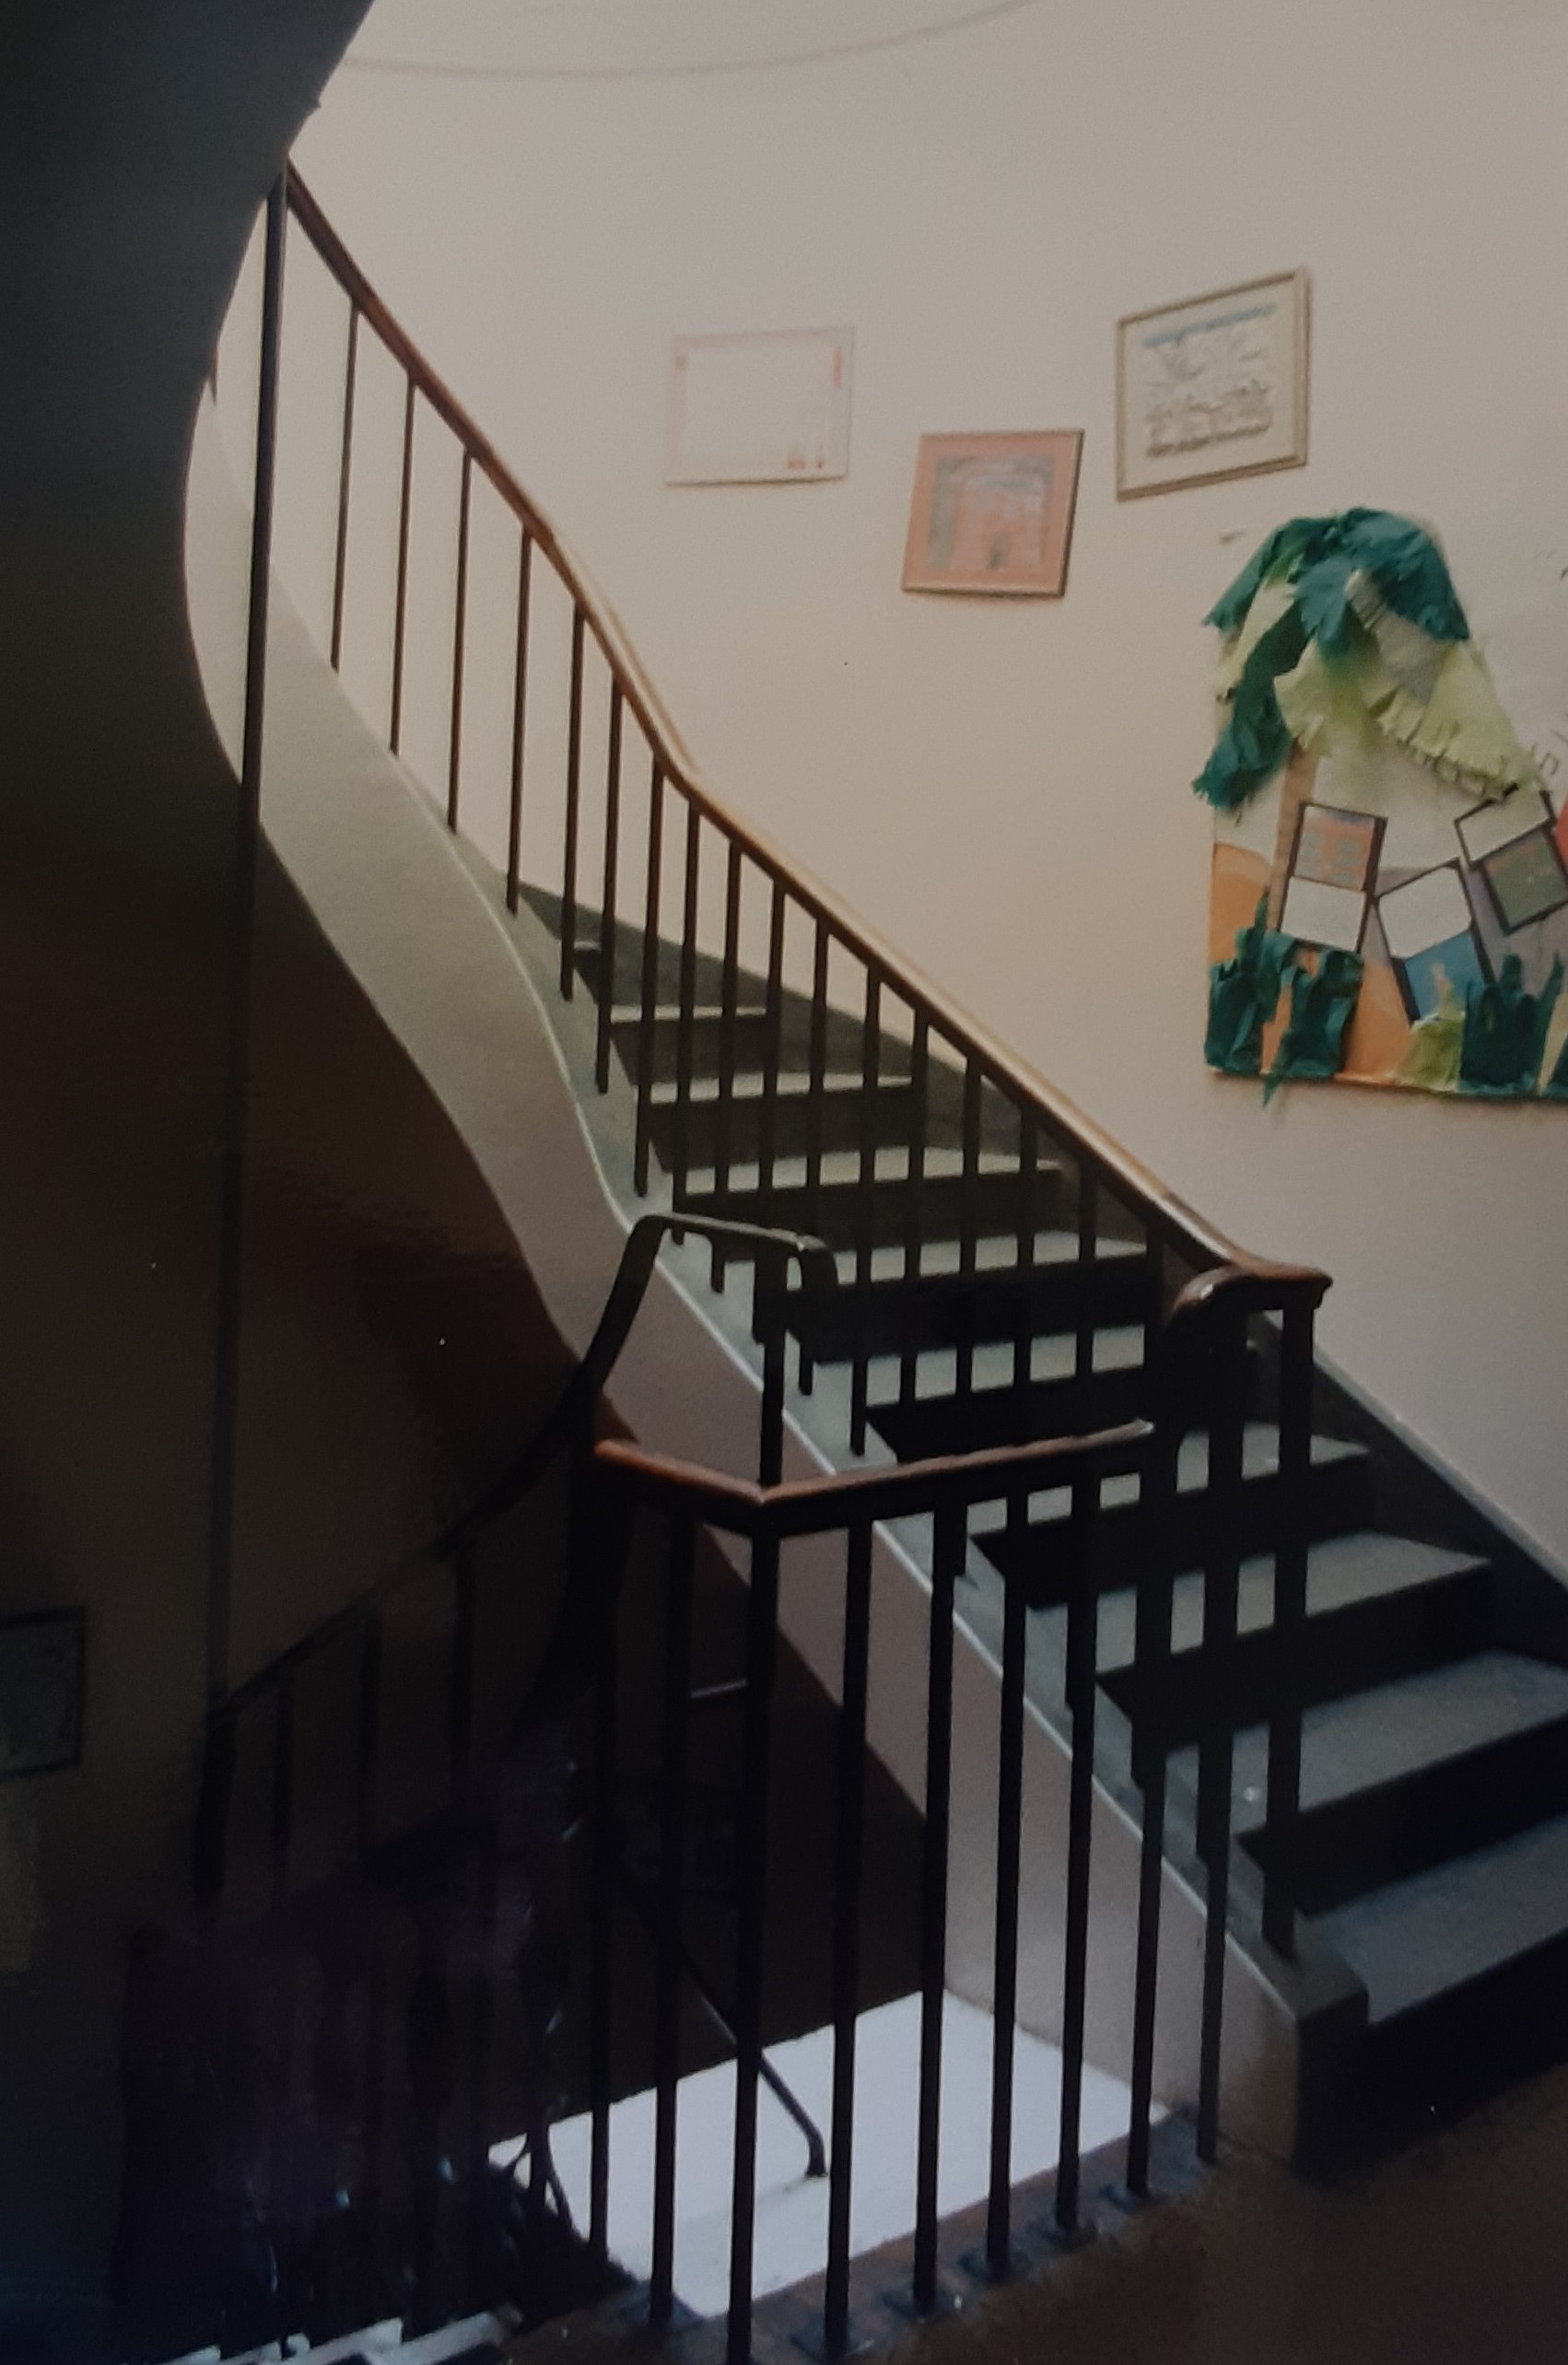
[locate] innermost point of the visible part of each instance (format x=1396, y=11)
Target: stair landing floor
x=791, y=2216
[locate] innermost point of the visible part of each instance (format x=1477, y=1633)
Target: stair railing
x=263, y=2129
x=897, y=1076
x=1196, y=1389
x=660, y=849
x=448, y=1559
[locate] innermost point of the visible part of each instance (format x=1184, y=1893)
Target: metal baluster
x=1222, y=1574
x=816, y=1064
x=602, y=1914
x=520, y=721
x=865, y=1192
x=574, y=787
x=968, y=1225
x=950, y=1542
x=1289, y=1642
x=847, y=1852
x=400, y=611
x=209, y=1847
x=340, y=553
x=910, y=1311
x=1023, y=1330
x=482, y=2019
x=1084, y=1329
x=460, y=623
x=368, y=1736
x=761, y=1622
x=649, y=981
x=431, y=2062
x=728, y=998
x=607, y=900
x=1151, y=1653
x=1010, y=1817
x=772, y=1054
x=685, y=1020
x=465, y=1585
x=1083, y=1628
x=669, y=1942
x=281, y=1821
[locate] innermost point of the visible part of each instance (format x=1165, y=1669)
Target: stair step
x=1379, y=1608
x=992, y=1200
x=942, y=1308
x=1459, y=1923
x=1126, y=1540
x=843, y=1041
x=935, y=1420
x=1400, y=1779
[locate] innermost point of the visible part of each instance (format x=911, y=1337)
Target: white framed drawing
x=1214, y=387
x=767, y=408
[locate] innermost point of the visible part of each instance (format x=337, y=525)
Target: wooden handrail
x=809, y=1506
x=1127, y=1179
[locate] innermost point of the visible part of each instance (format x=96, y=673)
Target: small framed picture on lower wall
x=993, y=513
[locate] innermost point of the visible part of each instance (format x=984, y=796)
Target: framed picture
x=1512, y=847
x=772, y=408
x=40, y=1691
x=1430, y=931
x=1329, y=880
x=1212, y=388
x=993, y=513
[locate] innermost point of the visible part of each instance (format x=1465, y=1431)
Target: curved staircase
x=1284, y=1713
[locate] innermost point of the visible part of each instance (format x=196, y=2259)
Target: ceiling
x=612, y=40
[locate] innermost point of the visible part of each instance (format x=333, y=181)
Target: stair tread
x=1342, y=1571
x=1366, y=1738
x=1053, y=1356
x=994, y=1253
x=1419, y=1939
x=841, y=1169
x=1260, y=1458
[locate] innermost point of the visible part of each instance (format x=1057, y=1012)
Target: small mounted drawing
x=771, y=408
x=993, y=513
x=1212, y=388
x=40, y=1691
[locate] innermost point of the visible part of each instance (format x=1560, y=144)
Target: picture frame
x=1331, y=876
x=768, y=406
x=1428, y=928
x=1213, y=388
x=42, y=1656
x=992, y=513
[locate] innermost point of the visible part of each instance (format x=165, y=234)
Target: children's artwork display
x=993, y=513
x=1389, y=899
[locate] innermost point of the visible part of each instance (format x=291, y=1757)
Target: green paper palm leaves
x=1354, y=613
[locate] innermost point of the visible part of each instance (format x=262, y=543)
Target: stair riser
x=838, y=1119
x=1403, y=1828
x=945, y=1207
x=1000, y=1416
x=843, y=1046
x=1128, y=1544
x=941, y=1311
x=1351, y=1650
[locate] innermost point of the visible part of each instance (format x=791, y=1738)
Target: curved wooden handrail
x=1128, y=1178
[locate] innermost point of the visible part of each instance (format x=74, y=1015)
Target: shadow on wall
x=388, y=1324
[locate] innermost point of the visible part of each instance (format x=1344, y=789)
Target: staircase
x=1329, y=1695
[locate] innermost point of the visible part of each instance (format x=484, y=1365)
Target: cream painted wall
x=1002, y=787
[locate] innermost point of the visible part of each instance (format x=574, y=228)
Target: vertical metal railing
x=956, y=1081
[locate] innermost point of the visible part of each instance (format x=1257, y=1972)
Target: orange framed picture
x=993, y=513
